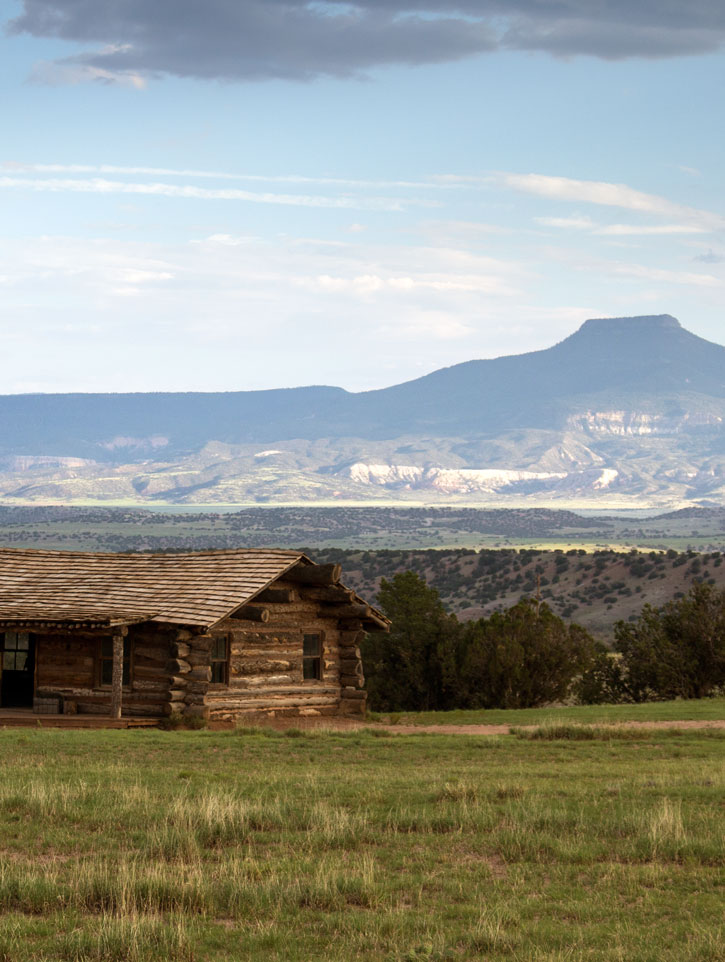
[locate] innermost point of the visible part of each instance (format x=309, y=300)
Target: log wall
x=67, y=664
x=265, y=660
x=171, y=667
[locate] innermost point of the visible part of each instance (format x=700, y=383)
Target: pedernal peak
x=637, y=324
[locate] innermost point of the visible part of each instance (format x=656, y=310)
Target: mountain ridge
x=628, y=406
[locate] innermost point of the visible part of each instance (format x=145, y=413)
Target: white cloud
x=364, y=284
x=98, y=185
x=143, y=171
x=624, y=230
x=619, y=230
x=225, y=240
x=669, y=277
x=62, y=73
x=229, y=267
x=607, y=195
x=568, y=223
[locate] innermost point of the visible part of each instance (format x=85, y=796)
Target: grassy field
x=703, y=709
x=293, y=846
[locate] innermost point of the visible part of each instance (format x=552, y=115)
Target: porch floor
x=27, y=718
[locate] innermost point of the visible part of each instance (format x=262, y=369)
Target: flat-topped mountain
x=653, y=359
x=633, y=405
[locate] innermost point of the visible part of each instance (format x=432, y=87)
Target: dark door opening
x=17, y=674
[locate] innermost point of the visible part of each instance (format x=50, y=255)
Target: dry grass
x=127, y=847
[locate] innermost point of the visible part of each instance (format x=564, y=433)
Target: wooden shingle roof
x=196, y=589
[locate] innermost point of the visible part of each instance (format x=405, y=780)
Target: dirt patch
x=496, y=865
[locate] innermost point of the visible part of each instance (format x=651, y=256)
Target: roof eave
x=290, y=566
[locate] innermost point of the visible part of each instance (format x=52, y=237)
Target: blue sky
x=229, y=196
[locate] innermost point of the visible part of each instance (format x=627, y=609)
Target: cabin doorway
x=17, y=669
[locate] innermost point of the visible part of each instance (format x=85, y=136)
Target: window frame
x=15, y=651
x=128, y=647
x=224, y=662
x=314, y=660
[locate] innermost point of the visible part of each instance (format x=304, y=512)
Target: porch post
x=117, y=676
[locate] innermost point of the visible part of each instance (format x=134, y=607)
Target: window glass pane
x=311, y=645
x=20, y=660
x=218, y=673
x=106, y=672
x=17, y=641
x=107, y=648
x=9, y=660
x=311, y=669
x=219, y=648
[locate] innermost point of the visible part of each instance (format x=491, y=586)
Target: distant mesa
x=626, y=325
x=632, y=407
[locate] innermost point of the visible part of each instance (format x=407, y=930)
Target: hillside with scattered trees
x=593, y=589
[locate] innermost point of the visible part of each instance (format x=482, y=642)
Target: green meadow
x=320, y=845
x=695, y=709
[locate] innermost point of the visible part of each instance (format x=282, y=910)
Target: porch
x=27, y=718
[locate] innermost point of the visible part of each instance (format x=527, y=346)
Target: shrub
x=677, y=651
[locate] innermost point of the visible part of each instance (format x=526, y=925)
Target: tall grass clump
x=579, y=733
x=131, y=939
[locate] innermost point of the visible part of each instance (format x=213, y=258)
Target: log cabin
x=214, y=634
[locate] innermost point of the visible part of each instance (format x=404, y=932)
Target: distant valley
x=624, y=412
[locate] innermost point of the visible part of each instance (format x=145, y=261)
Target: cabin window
x=220, y=660
x=312, y=657
x=105, y=663
x=16, y=650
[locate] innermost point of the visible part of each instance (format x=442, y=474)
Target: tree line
x=526, y=656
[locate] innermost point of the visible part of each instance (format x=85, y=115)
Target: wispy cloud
x=64, y=73
x=601, y=270
x=141, y=171
x=669, y=277
x=364, y=284
x=618, y=230
x=626, y=230
x=608, y=195
x=97, y=185
x=567, y=223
